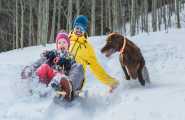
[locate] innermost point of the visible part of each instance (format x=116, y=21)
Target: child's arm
x=99, y=71
x=29, y=70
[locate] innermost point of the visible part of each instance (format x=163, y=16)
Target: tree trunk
x=22, y=24
x=53, y=22
x=164, y=15
x=137, y=15
x=59, y=15
x=154, y=15
x=146, y=16
x=170, y=10
x=45, y=22
x=30, y=24
x=93, y=15
x=115, y=15
x=102, y=16
x=17, y=25
x=77, y=7
x=177, y=13
x=124, y=16
x=133, y=18
x=39, y=17
x=106, y=14
x=159, y=15
x=109, y=14
x=69, y=15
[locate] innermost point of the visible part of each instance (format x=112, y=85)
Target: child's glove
x=55, y=86
x=114, y=86
x=66, y=62
x=50, y=55
x=55, y=82
x=27, y=72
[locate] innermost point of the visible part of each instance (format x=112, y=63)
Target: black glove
x=50, y=56
x=62, y=61
x=66, y=62
x=55, y=86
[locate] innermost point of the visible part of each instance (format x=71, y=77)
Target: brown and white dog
x=131, y=58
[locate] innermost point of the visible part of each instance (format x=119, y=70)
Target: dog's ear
x=111, y=37
x=116, y=37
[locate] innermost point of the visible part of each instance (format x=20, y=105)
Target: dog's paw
x=127, y=77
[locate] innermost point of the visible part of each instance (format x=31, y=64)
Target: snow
x=164, y=99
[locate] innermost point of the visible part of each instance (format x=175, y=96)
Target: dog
x=131, y=58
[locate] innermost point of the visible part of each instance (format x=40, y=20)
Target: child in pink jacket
x=58, y=69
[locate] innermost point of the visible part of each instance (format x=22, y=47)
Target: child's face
x=78, y=30
x=62, y=44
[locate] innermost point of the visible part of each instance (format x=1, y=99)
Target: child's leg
x=45, y=73
x=76, y=75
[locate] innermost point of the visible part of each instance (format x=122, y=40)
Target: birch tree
x=69, y=15
x=22, y=24
x=39, y=23
x=45, y=22
x=59, y=15
x=93, y=17
x=154, y=15
x=31, y=23
x=133, y=19
x=177, y=13
x=102, y=16
x=77, y=7
x=115, y=15
x=17, y=24
x=109, y=13
x=53, y=21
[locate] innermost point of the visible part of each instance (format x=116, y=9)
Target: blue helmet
x=81, y=21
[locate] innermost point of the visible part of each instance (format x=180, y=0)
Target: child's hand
x=112, y=87
x=26, y=72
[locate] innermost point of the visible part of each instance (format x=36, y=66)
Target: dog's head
x=114, y=42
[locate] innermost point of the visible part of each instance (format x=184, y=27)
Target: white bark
x=133, y=19
x=115, y=15
x=93, y=17
x=17, y=26
x=69, y=15
x=39, y=17
x=102, y=16
x=59, y=15
x=177, y=13
x=30, y=23
x=53, y=21
x=109, y=13
x=154, y=15
x=22, y=24
x=77, y=7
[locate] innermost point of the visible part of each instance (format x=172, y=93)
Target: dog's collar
x=124, y=45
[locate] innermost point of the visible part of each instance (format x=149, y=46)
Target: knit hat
x=81, y=21
x=63, y=35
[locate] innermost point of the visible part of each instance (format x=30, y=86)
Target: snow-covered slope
x=164, y=99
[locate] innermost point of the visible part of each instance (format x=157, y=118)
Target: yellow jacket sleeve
x=98, y=70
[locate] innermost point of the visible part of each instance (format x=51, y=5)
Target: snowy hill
x=164, y=99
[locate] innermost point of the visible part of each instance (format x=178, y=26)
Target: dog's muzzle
x=109, y=52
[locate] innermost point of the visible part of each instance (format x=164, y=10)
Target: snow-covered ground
x=164, y=99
